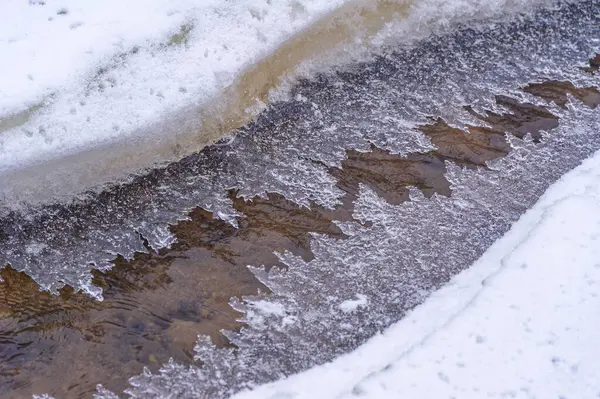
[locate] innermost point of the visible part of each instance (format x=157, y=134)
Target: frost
x=288, y=150
x=351, y=305
x=408, y=251
x=400, y=255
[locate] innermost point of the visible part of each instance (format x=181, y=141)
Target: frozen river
x=359, y=191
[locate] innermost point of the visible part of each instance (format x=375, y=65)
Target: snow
x=144, y=75
x=350, y=305
x=262, y=312
x=48, y=43
x=522, y=322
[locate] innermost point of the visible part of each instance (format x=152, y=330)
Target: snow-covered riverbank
x=77, y=76
x=348, y=289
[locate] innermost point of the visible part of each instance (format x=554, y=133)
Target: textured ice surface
x=521, y=322
x=376, y=102
x=407, y=251
x=395, y=261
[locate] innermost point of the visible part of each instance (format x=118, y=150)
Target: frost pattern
x=287, y=150
x=410, y=250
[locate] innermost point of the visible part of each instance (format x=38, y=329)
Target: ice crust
x=413, y=248
x=521, y=322
x=379, y=101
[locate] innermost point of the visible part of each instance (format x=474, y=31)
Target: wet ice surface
x=384, y=267
x=520, y=322
x=154, y=306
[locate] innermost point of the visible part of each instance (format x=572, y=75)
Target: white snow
x=259, y=313
x=522, y=322
x=350, y=305
x=47, y=44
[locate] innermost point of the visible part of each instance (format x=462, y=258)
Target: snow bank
x=521, y=322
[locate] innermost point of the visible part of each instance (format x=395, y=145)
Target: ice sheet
x=404, y=253
x=521, y=322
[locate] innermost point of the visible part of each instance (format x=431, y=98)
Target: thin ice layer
x=413, y=248
x=520, y=322
x=375, y=102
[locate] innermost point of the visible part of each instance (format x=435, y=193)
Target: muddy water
x=594, y=66
x=559, y=92
x=156, y=304
x=390, y=175
x=154, y=310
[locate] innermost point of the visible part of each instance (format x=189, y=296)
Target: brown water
x=594, y=66
x=559, y=92
x=157, y=303
x=154, y=307
x=390, y=175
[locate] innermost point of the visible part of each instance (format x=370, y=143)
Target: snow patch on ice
x=262, y=312
x=350, y=305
